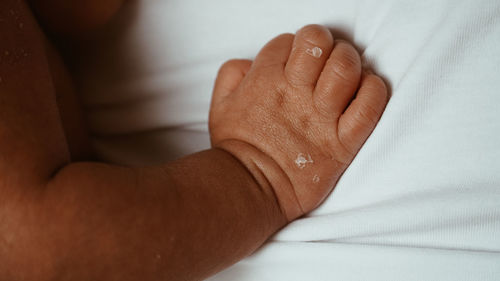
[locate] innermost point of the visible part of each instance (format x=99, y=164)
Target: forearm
x=182, y=221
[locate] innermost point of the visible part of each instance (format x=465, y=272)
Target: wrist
x=270, y=177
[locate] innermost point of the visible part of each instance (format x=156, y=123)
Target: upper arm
x=74, y=18
x=32, y=140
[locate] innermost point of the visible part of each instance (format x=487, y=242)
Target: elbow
x=25, y=251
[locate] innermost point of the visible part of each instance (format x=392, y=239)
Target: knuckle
x=346, y=62
x=315, y=34
x=347, y=57
x=367, y=116
x=228, y=66
x=375, y=84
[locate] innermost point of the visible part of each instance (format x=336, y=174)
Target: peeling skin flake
x=316, y=179
x=301, y=160
x=315, y=52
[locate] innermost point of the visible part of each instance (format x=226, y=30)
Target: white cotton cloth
x=421, y=201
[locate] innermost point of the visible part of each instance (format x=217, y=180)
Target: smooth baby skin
x=65, y=219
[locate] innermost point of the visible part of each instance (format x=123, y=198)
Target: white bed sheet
x=421, y=201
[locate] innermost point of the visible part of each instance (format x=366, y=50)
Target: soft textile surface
x=421, y=201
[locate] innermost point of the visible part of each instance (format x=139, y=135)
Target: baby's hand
x=297, y=115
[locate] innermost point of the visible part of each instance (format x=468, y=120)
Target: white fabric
x=421, y=201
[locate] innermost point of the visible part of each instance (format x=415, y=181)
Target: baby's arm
x=281, y=138
x=182, y=221
x=92, y=221
x=74, y=18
